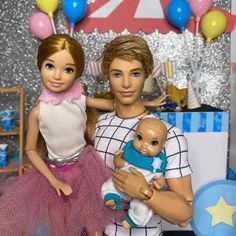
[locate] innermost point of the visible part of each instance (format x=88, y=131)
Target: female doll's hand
x=160, y=101
x=61, y=187
x=130, y=183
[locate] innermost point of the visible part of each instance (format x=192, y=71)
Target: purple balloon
x=40, y=25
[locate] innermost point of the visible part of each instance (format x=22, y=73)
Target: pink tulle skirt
x=30, y=205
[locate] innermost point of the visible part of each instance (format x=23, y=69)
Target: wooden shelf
x=15, y=131
x=19, y=131
x=11, y=167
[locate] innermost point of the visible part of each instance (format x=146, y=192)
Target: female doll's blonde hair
x=57, y=43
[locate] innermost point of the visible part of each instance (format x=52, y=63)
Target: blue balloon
x=178, y=12
x=74, y=10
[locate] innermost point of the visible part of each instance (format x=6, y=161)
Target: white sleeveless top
x=62, y=127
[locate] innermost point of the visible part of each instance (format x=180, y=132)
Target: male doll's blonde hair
x=127, y=47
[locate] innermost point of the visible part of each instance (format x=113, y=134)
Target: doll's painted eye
x=139, y=137
x=154, y=143
x=136, y=74
x=116, y=75
x=49, y=66
x=69, y=70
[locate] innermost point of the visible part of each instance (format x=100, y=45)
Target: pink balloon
x=199, y=7
x=40, y=25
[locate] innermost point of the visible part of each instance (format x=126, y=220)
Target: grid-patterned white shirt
x=112, y=133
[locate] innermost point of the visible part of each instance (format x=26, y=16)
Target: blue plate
x=212, y=196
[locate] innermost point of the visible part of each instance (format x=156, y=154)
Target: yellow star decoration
x=221, y=212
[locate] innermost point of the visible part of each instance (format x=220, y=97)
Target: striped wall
x=191, y=122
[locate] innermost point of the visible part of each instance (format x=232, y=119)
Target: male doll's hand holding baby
x=130, y=183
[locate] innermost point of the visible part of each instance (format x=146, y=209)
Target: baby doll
x=143, y=153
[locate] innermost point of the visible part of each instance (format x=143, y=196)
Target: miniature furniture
x=18, y=131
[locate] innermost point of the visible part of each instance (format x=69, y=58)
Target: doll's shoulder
x=34, y=113
x=106, y=117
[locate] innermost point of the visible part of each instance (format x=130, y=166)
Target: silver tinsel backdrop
x=18, y=48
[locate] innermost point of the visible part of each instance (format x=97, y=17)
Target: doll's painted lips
x=54, y=84
x=143, y=152
x=126, y=93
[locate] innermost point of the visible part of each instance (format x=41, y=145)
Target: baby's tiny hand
x=118, y=160
x=118, y=153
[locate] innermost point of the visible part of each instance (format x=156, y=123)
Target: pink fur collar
x=74, y=92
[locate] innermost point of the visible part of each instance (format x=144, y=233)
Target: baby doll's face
x=148, y=139
x=58, y=72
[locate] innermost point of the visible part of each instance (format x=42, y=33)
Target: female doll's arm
x=99, y=103
x=109, y=104
x=34, y=157
x=156, y=102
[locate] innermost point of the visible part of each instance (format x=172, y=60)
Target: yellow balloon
x=213, y=24
x=48, y=6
